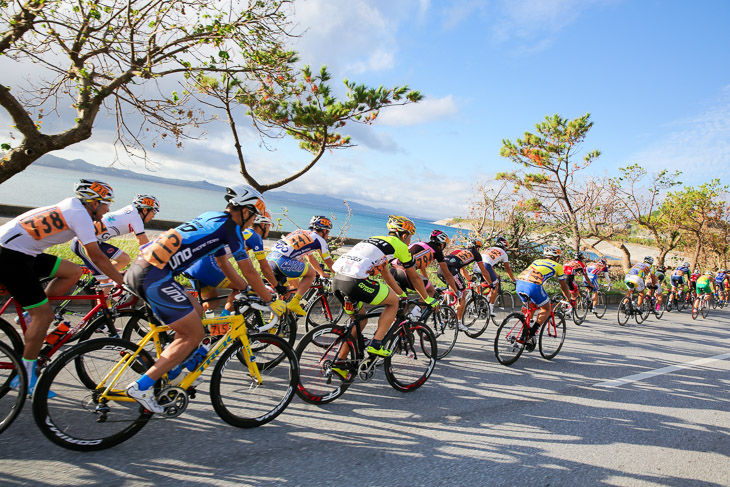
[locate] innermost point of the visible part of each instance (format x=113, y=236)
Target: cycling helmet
x=501, y=242
x=91, y=189
x=580, y=255
x=649, y=259
x=475, y=242
x=320, y=222
x=401, y=224
x=709, y=273
x=145, y=201
x=603, y=261
x=439, y=237
x=685, y=264
x=246, y=196
x=264, y=219
x=552, y=252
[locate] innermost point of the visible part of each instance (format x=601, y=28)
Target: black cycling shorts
x=20, y=275
x=458, y=278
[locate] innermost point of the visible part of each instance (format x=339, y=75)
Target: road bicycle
x=444, y=324
x=252, y=382
x=678, y=300
x=513, y=335
x=476, y=311
x=653, y=305
x=599, y=310
x=11, y=398
x=628, y=308
x=331, y=357
x=504, y=303
x=701, y=306
x=322, y=305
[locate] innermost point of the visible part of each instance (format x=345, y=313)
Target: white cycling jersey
x=36, y=230
x=494, y=256
x=300, y=243
x=120, y=222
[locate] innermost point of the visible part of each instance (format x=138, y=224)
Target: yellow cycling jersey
x=541, y=270
x=642, y=269
x=703, y=281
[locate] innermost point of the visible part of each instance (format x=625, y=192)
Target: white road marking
x=664, y=370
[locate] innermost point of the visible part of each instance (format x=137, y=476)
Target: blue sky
x=655, y=76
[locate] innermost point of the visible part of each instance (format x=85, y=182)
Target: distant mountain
x=309, y=199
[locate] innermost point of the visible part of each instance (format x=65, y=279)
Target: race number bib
x=45, y=224
x=159, y=251
x=494, y=254
x=297, y=240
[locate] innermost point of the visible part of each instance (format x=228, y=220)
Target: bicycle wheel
x=317, y=353
x=76, y=418
x=325, y=309
x=659, y=309
x=238, y=398
x=580, y=310
x=414, y=356
x=624, y=311
x=704, y=307
x=642, y=312
x=96, y=327
x=503, y=305
x=599, y=310
x=11, y=398
x=476, y=316
x=509, y=342
x=445, y=327
x=10, y=336
x=695, y=309
x=552, y=337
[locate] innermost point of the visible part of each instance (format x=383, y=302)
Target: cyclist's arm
x=330, y=263
x=391, y=282
x=266, y=271
x=508, y=268
x=237, y=281
x=564, y=288
x=315, y=265
x=142, y=238
x=485, y=274
x=102, y=262
x=254, y=279
x=416, y=281
x=448, y=277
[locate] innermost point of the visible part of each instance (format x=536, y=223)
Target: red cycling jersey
x=574, y=267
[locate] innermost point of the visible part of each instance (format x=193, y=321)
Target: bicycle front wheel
x=552, y=337
x=77, y=417
x=319, y=355
x=325, y=309
x=414, y=356
x=509, y=342
x=659, y=308
x=13, y=386
x=624, y=311
x=599, y=310
x=238, y=398
x=503, y=305
x=445, y=327
x=476, y=316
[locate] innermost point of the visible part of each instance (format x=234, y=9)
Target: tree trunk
x=626, y=260
x=696, y=257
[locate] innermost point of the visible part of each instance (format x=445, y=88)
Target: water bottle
x=26, y=317
x=415, y=313
x=58, y=333
x=209, y=314
x=192, y=362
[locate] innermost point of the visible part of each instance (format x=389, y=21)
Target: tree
x=300, y=107
x=551, y=152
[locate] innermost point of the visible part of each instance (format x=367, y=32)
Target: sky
x=654, y=75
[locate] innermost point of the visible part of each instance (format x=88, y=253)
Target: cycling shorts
x=20, y=275
x=458, y=278
x=535, y=291
x=285, y=268
x=570, y=281
x=401, y=277
x=360, y=290
x=704, y=289
x=208, y=274
x=490, y=271
x=634, y=282
x=677, y=281
x=593, y=279
x=158, y=287
x=108, y=249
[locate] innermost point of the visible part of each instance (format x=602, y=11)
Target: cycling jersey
x=642, y=270
x=541, y=270
x=369, y=257
x=36, y=230
x=703, y=285
x=207, y=271
x=693, y=277
x=120, y=222
x=462, y=257
x=720, y=277
x=255, y=243
x=574, y=267
x=679, y=271
x=494, y=256
x=300, y=243
x=423, y=254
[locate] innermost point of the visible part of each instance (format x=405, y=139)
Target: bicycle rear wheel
x=580, y=310
x=10, y=336
x=238, y=398
x=552, y=337
x=76, y=418
x=503, y=305
x=476, y=316
x=624, y=311
x=696, y=308
x=659, y=309
x=325, y=309
x=510, y=340
x=599, y=310
x=445, y=327
x=705, y=307
x=414, y=356
x=12, y=396
x=642, y=313
x=317, y=353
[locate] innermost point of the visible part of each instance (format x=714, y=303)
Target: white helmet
x=246, y=196
x=264, y=219
x=143, y=201
x=91, y=189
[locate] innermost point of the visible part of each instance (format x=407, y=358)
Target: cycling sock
x=145, y=382
x=30, y=368
x=376, y=344
x=535, y=327
x=225, y=312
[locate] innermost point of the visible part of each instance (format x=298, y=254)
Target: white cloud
x=425, y=111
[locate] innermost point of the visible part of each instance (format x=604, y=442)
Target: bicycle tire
x=414, y=351
x=503, y=306
x=643, y=311
x=509, y=342
x=580, y=310
x=317, y=351
x=599, y=310
x=624, y=311
x=445, y=327
x=659, y=309
x=476, y=316
x=695, y=309
x=325, y=309
x=704, y=308
x=11, y=398
x=238, y=399
x=10, y=336
x=70, y=418
x=99, y=322
x=551, y=338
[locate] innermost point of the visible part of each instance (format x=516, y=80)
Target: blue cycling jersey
x=180, y=247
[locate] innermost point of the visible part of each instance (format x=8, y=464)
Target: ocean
x=42, y=185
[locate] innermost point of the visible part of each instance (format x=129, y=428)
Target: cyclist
x=593, y=269
x=677, y=279
x=152, y=276
x=693, y=280
x=572, y=269
x=23, y=262
x=721, y=279
x=207, y=271
x=660, y=274
x=456, y=264
x=493, y=256
x=638, y=277
x=286, y=258
x=355, y=272
x=705, y=288
x=424, y=253
x=530, y=284
x=129, y=219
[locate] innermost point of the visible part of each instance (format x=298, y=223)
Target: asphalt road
x=475, y=422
